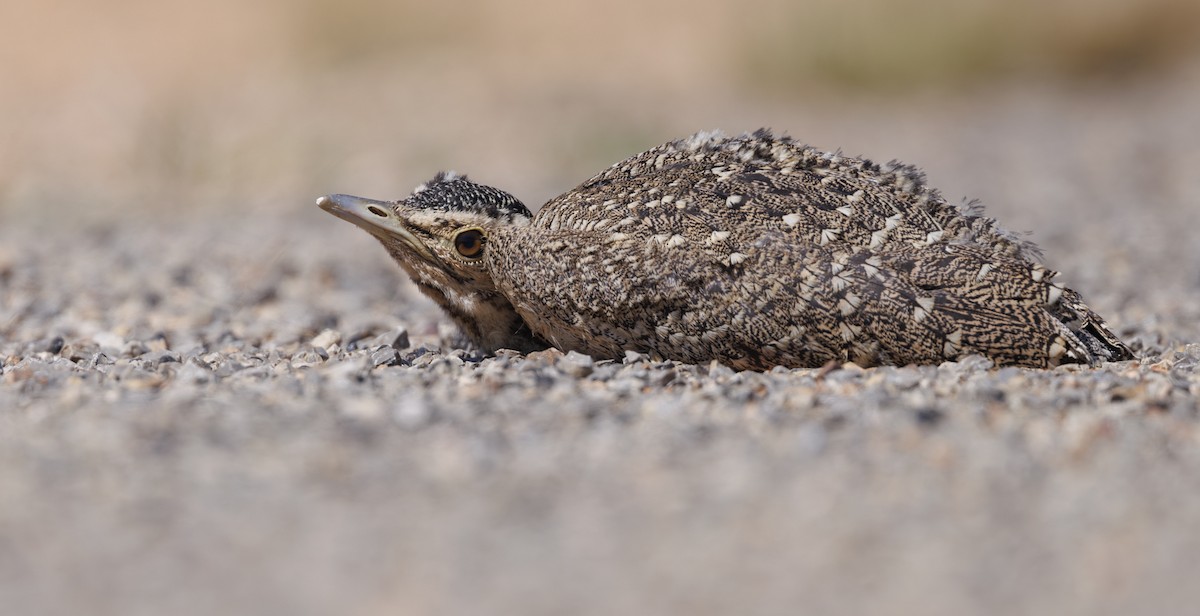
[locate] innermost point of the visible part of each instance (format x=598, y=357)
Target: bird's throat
x=488, y=320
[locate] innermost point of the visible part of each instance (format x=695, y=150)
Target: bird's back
x=760, y=251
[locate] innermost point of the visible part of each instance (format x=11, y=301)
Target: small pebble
x=384, y=356
x=155, y=358
x=327, y=340
x=576, y=364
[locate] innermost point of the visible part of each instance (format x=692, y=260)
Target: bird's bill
x=378, y=218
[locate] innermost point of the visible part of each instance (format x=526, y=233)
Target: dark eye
x=469, y=243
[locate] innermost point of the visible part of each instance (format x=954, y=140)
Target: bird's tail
x=1091, y=330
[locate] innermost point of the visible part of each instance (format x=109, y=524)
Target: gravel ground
x=200, y=417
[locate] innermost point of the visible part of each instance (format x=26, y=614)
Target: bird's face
x=439, y=235
x=440, y=248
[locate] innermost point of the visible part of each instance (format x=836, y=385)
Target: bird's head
x=439, y=234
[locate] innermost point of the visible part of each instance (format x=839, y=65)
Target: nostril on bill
x=378, y=211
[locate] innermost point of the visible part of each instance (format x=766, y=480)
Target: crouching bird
x=757, y=251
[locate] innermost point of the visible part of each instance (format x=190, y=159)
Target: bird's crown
x=452, y=192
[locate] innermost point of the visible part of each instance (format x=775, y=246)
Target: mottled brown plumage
x=756, y=251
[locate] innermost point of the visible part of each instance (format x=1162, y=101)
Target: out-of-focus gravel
x=263, y=417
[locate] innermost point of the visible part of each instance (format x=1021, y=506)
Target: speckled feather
x=759, y=251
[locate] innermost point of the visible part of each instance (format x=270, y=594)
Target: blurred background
x=172, y=108
x=159, y=161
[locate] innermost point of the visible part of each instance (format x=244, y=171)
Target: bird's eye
x=469, y=243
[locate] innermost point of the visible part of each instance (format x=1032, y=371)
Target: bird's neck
x=487, y=319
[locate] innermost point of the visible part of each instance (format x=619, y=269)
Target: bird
x=755, y=251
